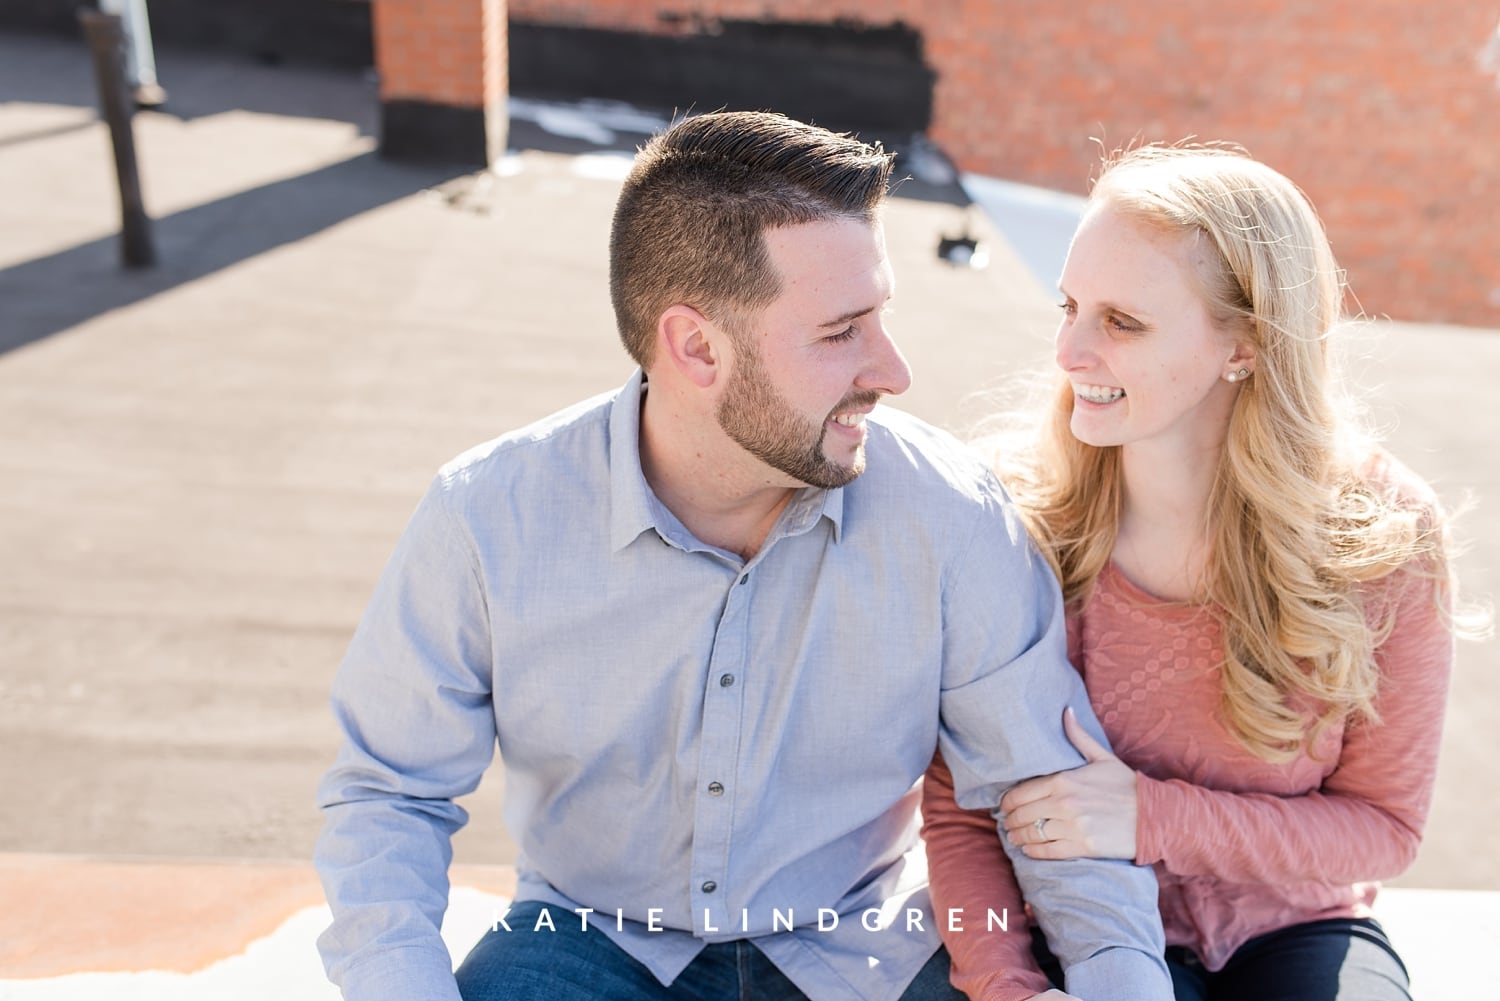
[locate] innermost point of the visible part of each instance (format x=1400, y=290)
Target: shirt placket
x=723, y=721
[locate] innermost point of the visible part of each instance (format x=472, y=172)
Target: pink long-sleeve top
x=1240, y=846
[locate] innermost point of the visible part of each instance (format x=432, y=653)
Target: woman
x=1258, y=600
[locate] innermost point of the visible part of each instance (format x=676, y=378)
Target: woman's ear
x=1241, y=361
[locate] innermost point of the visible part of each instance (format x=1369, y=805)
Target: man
x=716, y=652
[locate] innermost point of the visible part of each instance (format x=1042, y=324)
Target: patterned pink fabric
x=1240, y=846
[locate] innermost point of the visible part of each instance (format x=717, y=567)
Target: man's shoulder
x=906, y=454
x=577, y=434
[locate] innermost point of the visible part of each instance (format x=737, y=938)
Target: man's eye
x=841, y=336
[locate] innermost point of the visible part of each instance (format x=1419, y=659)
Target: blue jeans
x=573, y=964
x=1340, y=959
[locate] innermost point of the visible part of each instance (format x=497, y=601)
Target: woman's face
x=1146, y=361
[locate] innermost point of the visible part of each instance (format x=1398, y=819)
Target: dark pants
x=573, y=964
x=1341, y=959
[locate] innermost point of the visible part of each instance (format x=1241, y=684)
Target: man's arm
x=412, y=700
x=1006, y=682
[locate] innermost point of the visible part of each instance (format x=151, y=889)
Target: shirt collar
x=635, y=509
x=630, y=498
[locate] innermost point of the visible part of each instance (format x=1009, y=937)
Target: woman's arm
x=1364, y=822
x=970, y=877
x=1367, y=819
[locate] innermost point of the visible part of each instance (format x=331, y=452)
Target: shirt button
x=716, y=789
x=710, y=886
x=745, y=579
x=726, y=680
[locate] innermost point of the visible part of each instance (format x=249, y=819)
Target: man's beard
x=758, y=418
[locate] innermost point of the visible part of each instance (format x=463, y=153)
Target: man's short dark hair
x=689, y=227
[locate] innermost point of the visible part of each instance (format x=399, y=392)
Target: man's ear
x=690, y=343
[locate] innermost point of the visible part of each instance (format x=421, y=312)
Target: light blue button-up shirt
x=697, y=748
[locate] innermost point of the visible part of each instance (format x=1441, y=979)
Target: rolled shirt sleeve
x=1006, y=682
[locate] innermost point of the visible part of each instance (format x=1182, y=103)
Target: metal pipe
x=106, y=39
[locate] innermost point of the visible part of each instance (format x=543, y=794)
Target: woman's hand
x=1053, y=995
x=1087, y=812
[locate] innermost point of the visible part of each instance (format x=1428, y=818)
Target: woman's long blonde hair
x=1297, y=524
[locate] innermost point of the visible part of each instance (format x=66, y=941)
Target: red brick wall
x=443, y=51
x=647, y=15
x=1378, y=108
x=447, y=54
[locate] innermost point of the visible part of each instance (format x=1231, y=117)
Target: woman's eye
x=841, y=336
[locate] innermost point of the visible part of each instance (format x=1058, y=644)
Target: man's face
x=809, y=366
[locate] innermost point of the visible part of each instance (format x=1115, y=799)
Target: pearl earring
x=1243, y=373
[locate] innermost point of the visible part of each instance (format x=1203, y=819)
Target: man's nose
x=887, y=371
